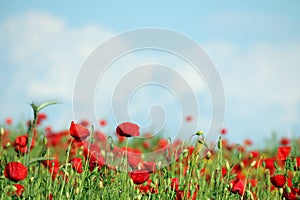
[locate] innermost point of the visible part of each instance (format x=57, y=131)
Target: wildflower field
x=82, y=163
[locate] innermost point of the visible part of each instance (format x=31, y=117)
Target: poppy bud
x=7, y=145
x=252, y=164
x=227, y=165
x=100, y=184
x=199, y=133
x=208, y=155
x=219, y=143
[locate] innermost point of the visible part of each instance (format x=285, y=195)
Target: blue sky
x=255, y=47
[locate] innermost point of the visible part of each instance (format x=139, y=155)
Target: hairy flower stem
x=32, y=125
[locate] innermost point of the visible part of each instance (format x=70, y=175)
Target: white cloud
x=46, y=54
x=261, y=83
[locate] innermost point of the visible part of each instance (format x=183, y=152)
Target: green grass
x=200, y=174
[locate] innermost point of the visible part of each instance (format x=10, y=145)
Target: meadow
x=79, y=162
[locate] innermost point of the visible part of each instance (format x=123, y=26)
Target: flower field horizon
x=80, y=162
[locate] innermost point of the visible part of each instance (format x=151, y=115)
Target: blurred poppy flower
x=237, y=186
x=162, y=142
x=149, y=166
x=146, y=145
x=21, y=144
x=269, y=164
x=189, y=118
x=291, y=194
x=53, y=167
x=144, y=189
x=41, y=117
x=283, y=152
x=297, y=163
x=139, y=176
x=254, y=154
x=85, y=123
x=54, y=139
x=77, y=165
x=15, y=171
x=96, y=161
x=285, y=141
x=278, y=180
x=8, y=121
x=128, y=129
x=175, y=184
x=181, y=194
x=78, y=132
x=248, y=142
x=223, y=131
x=102, y=122
x=99, y=136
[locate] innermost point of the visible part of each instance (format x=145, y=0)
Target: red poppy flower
x=224, y=171
x=99, y=136
x=8, y=121
x=19, y=189
x=175, y=184
x=189, y=118
x=149, y=166
x=77, y=164
x=162, y=142
x=102, y=122
x=237, y=186
x=21, y=144
x=293, y=194
x=139, y=176
x=297, y=163
x=134, y=160
x=41, y=117
x=54, y=139
x=96, y=161
x=144, y=189
x=53, y=167
x=85, y=123
x=223, y=131
x=15, y=171
x=253, y=182
x=278, y=180
x=128, y=129
x=285, y=141
x=78, y=132
x=283, y=152
x=181, y=194
x=254, y=154
x=248, y=142
x=146, y=145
